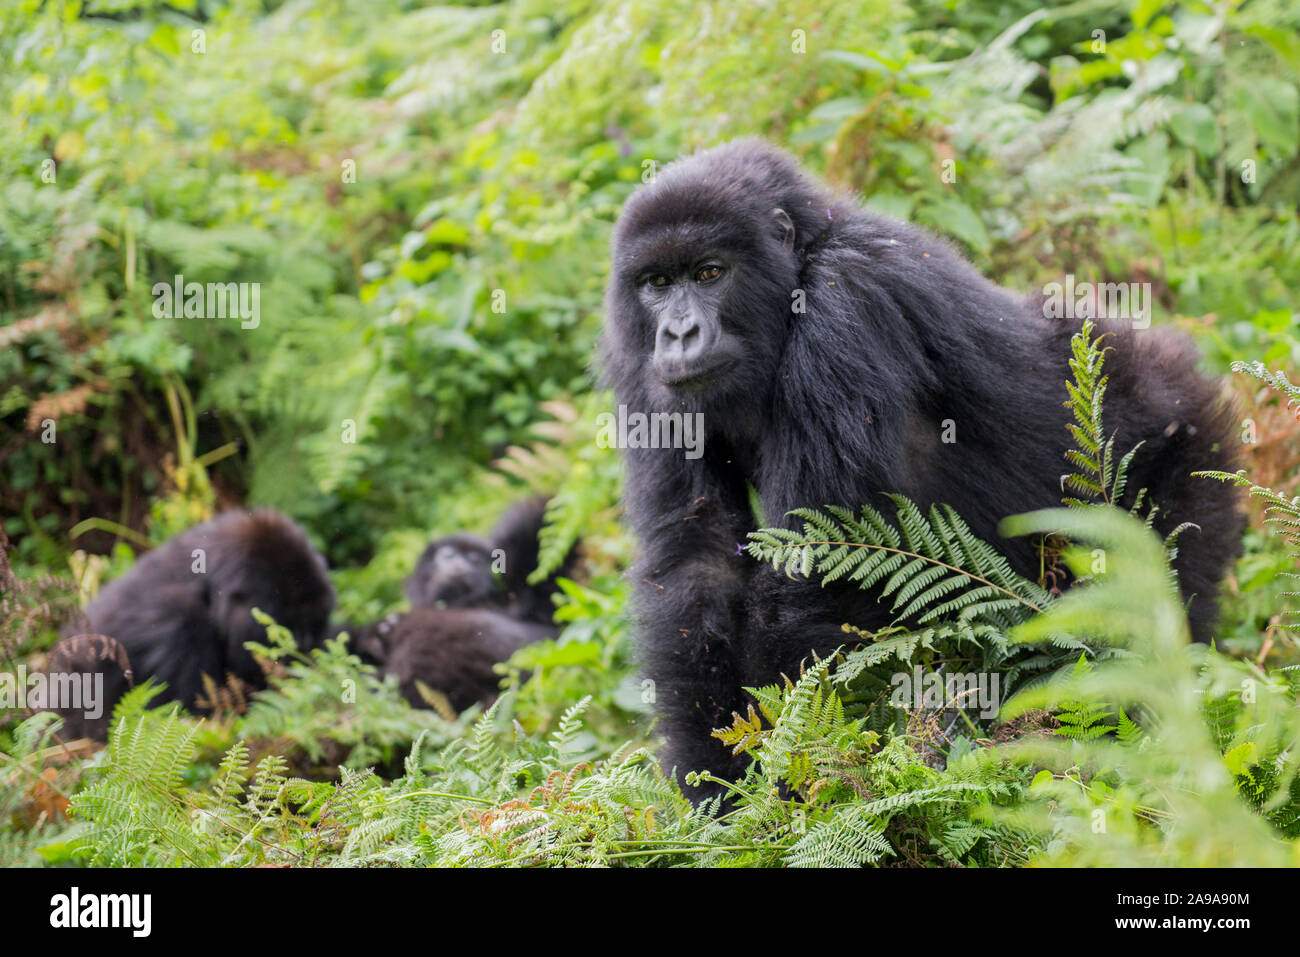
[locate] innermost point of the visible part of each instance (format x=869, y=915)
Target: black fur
x=467, y=617
x=458, y=571
x=845, y=401
x=176, y=625
x=455, y=572
x=369, y=642
x=453, y=650
x=516, y=537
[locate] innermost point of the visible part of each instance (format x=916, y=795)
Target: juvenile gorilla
x=460, y=571
x=453, y=650
x=465, y=619
x=185, y=609
x=455, y=572
x=826, y=347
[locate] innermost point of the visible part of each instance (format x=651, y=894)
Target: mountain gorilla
x=465, y=618
x=185, y=609
x=459, y=571
x=454, y=572
x=831, y=351
x=453, y=651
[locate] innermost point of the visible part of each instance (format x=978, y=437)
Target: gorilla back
x=832, y=353
x=185, y=609
x=454, y=651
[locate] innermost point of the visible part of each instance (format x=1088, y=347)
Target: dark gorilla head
x=704, y=276
x=454, y=571
x=262, y=559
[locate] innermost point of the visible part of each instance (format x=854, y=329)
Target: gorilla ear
x=784, y=227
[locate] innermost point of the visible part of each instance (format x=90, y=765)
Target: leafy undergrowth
x=1085, y=729
x=1169, y=754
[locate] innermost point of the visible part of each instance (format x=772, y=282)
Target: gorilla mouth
x=691, y=377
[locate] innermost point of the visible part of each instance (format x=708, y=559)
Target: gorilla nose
x=680, y=347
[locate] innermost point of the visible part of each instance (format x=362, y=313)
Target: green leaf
x=839, y=109
x=954, y=217
x=1240, y=758
x=1144, y=10
x=1272, y=107
x=1193, y=125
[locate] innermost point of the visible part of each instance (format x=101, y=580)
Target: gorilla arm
x=691, y=518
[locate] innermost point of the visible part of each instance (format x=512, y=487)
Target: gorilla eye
x=708, y=274
x=658, y=281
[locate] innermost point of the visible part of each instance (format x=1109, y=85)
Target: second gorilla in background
x=460, y=571
x=465, y=619
x=184, y=610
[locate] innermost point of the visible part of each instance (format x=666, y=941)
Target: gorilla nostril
x=692, y=344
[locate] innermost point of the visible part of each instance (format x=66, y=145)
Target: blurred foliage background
x=425, y=196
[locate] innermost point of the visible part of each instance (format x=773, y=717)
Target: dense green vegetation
x=425, y=196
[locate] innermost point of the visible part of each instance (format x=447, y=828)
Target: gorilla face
x=704, y=287
x=712, y=320
x=454, y=571
x=685, y=302
x=304, y=611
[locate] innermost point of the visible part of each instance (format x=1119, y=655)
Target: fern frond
x=1277, y=381
x=847, y=840
x=930, y=566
